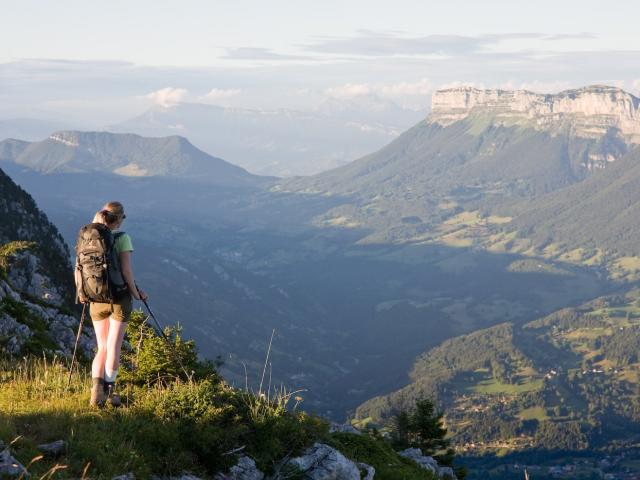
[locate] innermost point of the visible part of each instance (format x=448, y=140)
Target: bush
x=10, y=249
x=150, y=358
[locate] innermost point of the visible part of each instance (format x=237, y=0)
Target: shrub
x=8, y=250
x=152, y=358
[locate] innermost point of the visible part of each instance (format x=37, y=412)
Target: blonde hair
x=111, y=213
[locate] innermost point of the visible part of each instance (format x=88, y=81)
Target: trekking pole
x=161, y=330
x=75, y=348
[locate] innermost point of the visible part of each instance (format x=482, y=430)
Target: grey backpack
x=98, y=274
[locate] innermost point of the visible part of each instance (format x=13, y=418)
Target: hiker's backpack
x=98, y=274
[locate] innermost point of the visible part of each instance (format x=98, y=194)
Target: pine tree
x=427, y=431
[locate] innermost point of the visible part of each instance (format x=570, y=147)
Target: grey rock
x=10, y=467
x=245, y=469
x=61, y=328
x=63, y=336
x=25, y=276
x=53, y=449
x=8, y=291
x=16, y=333
x=126, y=476
x=371, y=472
x=415, y=454
x=446, y=473
x=428, y=463
x=344, y=428
x=322, y=462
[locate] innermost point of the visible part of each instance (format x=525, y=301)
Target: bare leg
x=102, y=333
x=114, y=344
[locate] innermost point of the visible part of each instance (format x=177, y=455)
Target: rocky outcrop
x=322, y=462
x=368, y=470
x=428, y=463
x=588, y=112
x=27, y=276
x=26, y=321
x=245, y=469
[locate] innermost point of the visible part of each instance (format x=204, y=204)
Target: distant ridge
x=279, y=142
x=589, y=111
x=506, y=141
x=124, y=154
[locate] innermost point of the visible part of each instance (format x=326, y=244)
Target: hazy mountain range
x=281, y=142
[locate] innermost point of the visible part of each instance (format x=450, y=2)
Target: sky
x=97, y=62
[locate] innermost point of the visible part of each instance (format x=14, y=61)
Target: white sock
x=110, y=375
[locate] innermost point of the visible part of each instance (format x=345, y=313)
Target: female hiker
x=110, y=319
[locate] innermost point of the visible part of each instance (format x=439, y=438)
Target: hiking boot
x=97, y=395
x=111, y=395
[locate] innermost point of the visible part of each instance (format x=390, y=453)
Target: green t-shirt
x=123, y=243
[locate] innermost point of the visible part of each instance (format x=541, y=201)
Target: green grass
x=8, y=250
x=162, y=429
x=533, y=413
x=494, y=387
x=622, y=311
x=379, y=454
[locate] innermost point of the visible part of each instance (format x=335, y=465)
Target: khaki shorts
x=121, y=310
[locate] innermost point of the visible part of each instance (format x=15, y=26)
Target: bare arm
x=127, y=273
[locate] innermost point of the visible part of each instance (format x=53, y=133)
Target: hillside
x=126, y=155
x=485, y=156
x=567, y=381
x=602, y=213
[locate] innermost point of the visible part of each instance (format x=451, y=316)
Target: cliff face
x=35, y=280
x=587, y=112
x=46, y=272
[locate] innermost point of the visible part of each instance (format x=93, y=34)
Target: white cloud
x=636, y=86
x=167, y=97
x=393, y=90
x=216, y=94
x=421, y=87
x=350, y=90
x=458, y=84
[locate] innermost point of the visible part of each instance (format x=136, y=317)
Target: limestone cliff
x=589, y=112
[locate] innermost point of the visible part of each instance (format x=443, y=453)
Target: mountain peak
x=590, y=111
x=126, y=154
